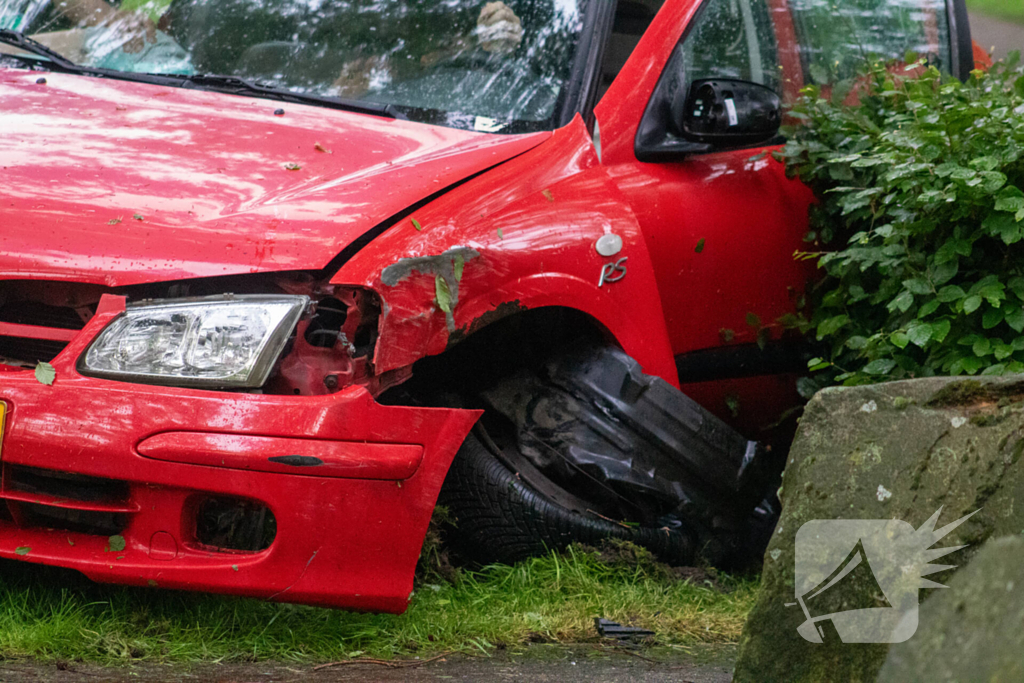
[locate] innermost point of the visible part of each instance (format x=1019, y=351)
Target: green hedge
x=920, y=223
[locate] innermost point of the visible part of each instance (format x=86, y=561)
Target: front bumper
x=348, y=532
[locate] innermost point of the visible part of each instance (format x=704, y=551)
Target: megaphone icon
x=824, y=598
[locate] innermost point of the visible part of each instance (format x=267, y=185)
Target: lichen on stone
x=902, y=402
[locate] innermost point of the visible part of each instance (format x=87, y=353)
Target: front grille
x=68, y=502
x=76, y=521
x=42, y=315
x=28, y=352
x=65, y=485
x=43, y=309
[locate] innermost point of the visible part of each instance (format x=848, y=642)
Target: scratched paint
x=442, y=265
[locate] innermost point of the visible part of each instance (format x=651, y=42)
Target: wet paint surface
x=119, y=183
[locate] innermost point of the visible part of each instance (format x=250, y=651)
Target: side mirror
x=727, y=112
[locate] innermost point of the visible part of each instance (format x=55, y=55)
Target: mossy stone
x=972, y=631
x=928, y=443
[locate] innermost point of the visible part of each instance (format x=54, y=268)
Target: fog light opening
x=234, y=524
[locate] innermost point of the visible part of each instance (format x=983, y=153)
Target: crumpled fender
x=520, y=236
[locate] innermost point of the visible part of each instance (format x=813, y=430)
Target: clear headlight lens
x=226, y=341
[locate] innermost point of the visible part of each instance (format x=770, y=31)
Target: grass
x=49, y=614
x=1004, y=9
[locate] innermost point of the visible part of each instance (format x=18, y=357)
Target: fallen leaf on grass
x=45, y=373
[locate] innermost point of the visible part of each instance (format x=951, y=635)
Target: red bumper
x=349, y=531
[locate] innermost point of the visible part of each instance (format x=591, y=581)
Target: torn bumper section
x=314, y=499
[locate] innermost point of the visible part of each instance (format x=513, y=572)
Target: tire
x=499, y=518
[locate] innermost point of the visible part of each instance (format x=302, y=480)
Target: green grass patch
x=1004, y=9
x=51, y=614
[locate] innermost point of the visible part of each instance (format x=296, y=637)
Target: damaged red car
x=277, y=274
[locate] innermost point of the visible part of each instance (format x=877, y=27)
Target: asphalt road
x=578, y=665
x=996, y=35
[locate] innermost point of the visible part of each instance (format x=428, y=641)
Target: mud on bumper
x=349, y=484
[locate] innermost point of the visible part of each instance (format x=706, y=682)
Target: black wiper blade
x=229, y=84
x=242, y=86
x=21, y=41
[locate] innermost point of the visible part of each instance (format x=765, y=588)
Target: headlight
x=225, y=341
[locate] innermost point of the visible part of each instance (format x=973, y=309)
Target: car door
x=721, y=227
x=723, y=223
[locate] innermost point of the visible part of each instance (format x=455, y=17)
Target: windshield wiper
x=229, y=84
x=23, y=42
x=242, y=86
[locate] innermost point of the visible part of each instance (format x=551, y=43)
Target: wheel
x=587, y=447
x=499, y=518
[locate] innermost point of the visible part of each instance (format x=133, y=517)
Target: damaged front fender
x=523, y=235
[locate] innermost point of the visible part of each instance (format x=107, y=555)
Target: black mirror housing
x=674, y=127
x=726, y=112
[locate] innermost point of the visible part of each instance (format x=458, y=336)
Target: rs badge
x=613, y=272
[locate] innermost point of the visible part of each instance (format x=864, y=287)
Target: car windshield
x=491, y=66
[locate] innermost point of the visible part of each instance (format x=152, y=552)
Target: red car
x=273, y=272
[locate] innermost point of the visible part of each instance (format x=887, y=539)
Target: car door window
x=748, y=40
x=632, y=17
x=837, y=37
x=733, y=39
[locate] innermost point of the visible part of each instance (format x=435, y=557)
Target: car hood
x=120, y=183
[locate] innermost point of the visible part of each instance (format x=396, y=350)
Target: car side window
x=733, y=39
x=727, y=39
x=837, y=37
x=632, y=17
